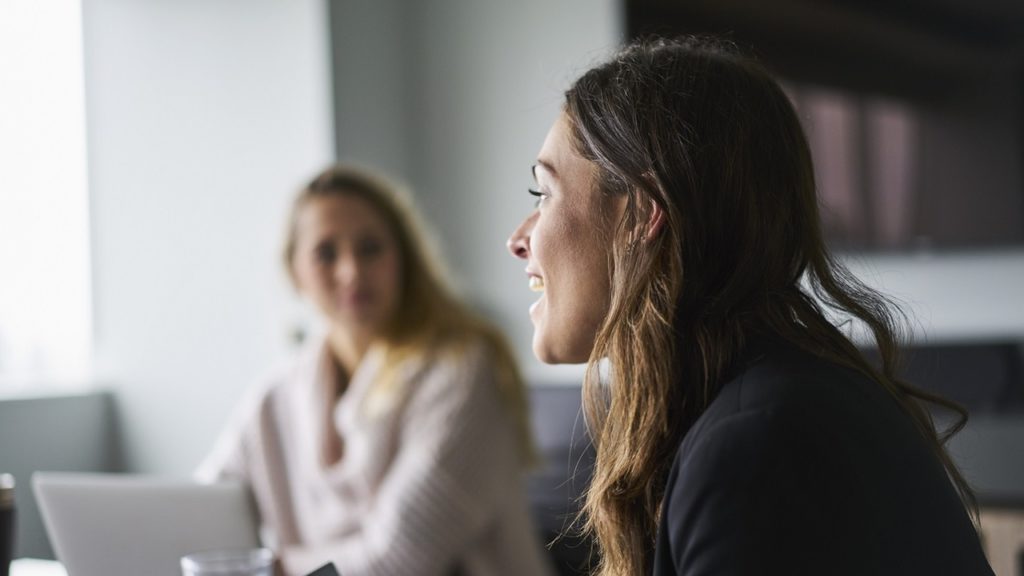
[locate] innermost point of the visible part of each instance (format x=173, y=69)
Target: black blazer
x=802, y=467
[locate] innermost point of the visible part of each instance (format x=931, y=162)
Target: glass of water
x=236, y=562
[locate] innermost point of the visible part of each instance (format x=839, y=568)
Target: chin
x=543, y=352
x=545, y=356
x=550, y=353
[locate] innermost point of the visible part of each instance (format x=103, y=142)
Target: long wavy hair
x=430, y=319
x=709, y=137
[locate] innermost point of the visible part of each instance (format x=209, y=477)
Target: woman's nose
x=519, y=242
x=346, y=269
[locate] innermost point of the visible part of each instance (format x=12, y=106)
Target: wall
x=372, y=58
x=955, y=296
x=456, y=96
x=462, y=94
x=203, y=117
x=961, y=298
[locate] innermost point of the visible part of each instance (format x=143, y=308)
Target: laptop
x=119, y=524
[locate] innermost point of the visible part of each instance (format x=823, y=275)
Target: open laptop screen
x=103, y=524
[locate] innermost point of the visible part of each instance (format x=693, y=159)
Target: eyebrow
x=546, y=166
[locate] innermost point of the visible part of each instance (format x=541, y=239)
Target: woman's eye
x=370, y=247
x=325, y=254
x=539, y=195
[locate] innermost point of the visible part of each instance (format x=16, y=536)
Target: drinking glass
x=236, y=562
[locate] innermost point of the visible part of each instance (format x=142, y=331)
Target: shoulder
x=453, y=377
x=247, y=420
x=452, y=409
x=288, y=376
x=465, y=362
x=761, y=466
x=465, y=372
x=799, y=459
x=791, y=429
x=783, y=393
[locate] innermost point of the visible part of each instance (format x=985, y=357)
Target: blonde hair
x=430, y=319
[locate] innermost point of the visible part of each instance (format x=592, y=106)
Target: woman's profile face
x=566, y=243
x=347, y=263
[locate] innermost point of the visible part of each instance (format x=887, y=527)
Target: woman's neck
x=348, y=349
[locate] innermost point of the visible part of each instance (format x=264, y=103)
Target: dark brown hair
x=708, y=136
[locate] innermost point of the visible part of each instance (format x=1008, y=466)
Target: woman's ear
x=655, y=221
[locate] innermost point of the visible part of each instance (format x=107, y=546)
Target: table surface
x=34, y=567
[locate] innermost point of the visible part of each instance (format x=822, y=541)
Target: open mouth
x=536, y=284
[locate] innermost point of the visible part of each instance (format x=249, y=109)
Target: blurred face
x=347, y=263
x=566, y=243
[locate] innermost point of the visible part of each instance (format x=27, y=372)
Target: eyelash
x=538, y=194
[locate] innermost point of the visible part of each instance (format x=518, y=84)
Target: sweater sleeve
x=228, y=460
x=455, y=460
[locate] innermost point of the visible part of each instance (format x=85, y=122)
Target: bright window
x=45, y=298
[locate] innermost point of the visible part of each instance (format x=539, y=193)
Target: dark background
x=952, y=69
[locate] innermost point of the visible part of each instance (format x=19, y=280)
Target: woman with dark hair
x=738, y=429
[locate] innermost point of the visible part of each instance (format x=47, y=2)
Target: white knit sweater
x=429, y=484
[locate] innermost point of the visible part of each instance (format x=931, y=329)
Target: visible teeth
x=536, y=283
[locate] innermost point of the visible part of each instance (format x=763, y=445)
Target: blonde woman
x=395, y=443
